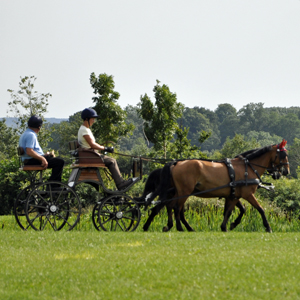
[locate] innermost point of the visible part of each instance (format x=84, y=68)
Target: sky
x=208, y=52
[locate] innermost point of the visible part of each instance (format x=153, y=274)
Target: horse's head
x=280, y=164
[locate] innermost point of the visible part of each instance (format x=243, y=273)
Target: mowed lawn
x=154, y=265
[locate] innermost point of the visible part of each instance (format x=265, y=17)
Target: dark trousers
x=113, y=167
x=54, y=163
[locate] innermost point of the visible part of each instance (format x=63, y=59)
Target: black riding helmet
x=35, y=121
x=88, y=113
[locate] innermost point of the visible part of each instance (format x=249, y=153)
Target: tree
x=237, y=145
x=294, y=156
x=182, y=147
x=225, y=110
x=196, y=122
x=27, y=102
x=263, y=138
x=8, y=141
x=64, y=132
x=229, y=128
x=288, y=126
x=161, y=117
x=111, y=123
x=252, y=117
x=128, y=143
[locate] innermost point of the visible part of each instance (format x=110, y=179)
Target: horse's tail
x=151, y=186
x=166, y=190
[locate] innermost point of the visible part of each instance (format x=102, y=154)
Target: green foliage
x=286, y=195
x=11, y=183
x=237, y=145
x=161, y=117
x=225, y=110
x=181, y=142
x=294, y=157
x=182, y=148
x=27, y=102
x=288, y=126
x=197, y=122
x=8, y=142
x=137, y=138
x=111, y=125
x=64, y=132
x=263, y=138
x=251, y=116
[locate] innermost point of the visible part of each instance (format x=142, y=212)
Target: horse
x=209, y=179
x=151, y=191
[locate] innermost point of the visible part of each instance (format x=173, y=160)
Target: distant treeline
x=11, y=122
x=253, y=121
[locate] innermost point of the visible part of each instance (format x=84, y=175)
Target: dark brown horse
x=208, y=179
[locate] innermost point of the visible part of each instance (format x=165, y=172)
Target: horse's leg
x=170, y=219
x=239, y=218
x=229, y=206
x=154, y=212
x=184, y=221
x=252, y=200
x=177, y=210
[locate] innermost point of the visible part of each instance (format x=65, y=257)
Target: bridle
x=276, y=169
x=282, y=155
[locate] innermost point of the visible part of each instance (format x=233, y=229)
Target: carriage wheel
x=119, y=213
x=95, y=214
x=95, y=217
x=48, y=207
x=19, y=208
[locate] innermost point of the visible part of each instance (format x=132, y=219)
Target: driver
x=33, y=153
x=86, y=140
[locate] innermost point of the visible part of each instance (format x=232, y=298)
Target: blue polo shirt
x=29, y=140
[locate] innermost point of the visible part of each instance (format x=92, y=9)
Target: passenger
x=33, y=153
x=86, y=140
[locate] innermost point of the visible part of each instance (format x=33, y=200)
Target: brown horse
x=208, y=179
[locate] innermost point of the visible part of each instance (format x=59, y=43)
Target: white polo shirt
x=81, y=140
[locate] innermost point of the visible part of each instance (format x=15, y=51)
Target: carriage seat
x=27, y=167
x=85, y=158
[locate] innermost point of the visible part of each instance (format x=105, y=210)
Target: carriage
x=41, y=206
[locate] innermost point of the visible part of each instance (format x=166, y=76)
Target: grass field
x=199, y=265
x=206, y=264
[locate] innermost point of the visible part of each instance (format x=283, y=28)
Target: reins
x=162, y=160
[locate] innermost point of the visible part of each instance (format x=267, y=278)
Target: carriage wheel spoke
x=52, y=225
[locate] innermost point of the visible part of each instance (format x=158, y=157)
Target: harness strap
x=260, y=183
x=231, y=174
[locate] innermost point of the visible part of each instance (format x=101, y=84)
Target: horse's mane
x=251, y=154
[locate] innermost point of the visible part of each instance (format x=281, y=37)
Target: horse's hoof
x=232, y=226
x=224, y=229
x=165, y=229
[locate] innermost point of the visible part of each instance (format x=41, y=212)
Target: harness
x=233, y=183
x=255, y=181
